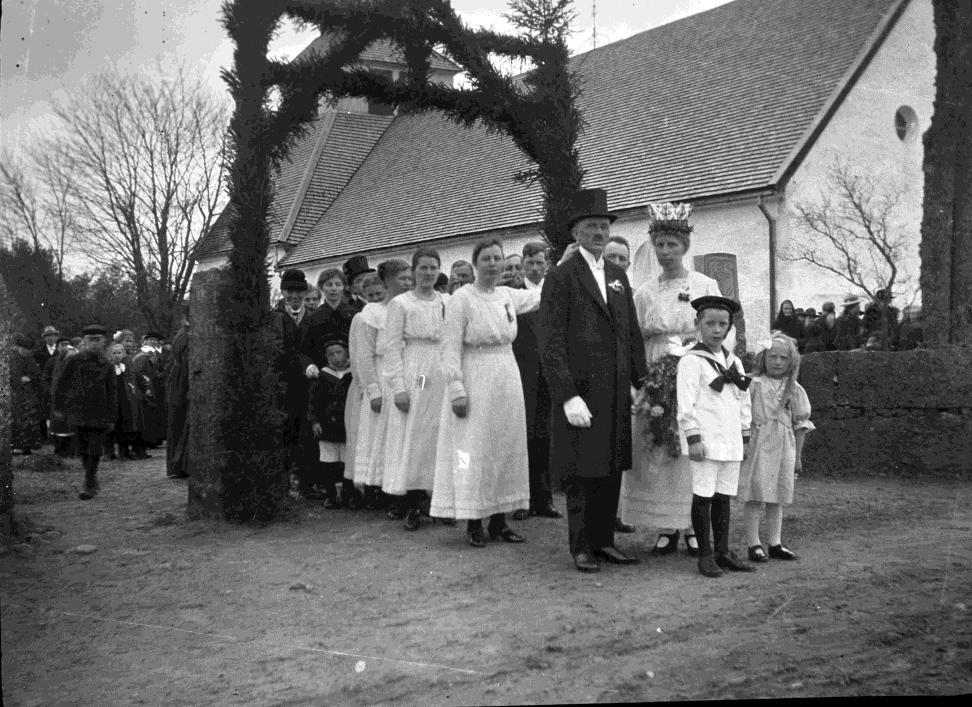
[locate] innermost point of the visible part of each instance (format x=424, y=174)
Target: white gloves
x=577, y=413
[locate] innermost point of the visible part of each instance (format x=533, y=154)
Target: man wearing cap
x=355, y=267
x=86, y=399
x=592, y=353
x=42, y=357
x=289, y=323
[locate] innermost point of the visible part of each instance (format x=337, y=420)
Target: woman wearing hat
x=848, y=334
x=657, y=491
x=25, y=388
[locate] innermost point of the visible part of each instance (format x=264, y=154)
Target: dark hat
x=49, y=330
x=23, y=340
x=94, y=330
x=62, y=338
x=828, y=307
x=335, y=342
x=589, y=203
x=152, y=335
x=293, y=280
x=810, y=312
x=356, y=265
x=714, y=302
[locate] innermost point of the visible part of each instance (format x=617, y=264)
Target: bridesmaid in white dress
x=657, y=491
x=367, y=345
x=481, y=467
x=414, y=386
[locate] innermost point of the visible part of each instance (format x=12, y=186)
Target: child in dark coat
x=325, y=411
x=86, y=398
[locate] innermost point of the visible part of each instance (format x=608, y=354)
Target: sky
x=48, y=46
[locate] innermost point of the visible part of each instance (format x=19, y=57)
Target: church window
x=905, y=122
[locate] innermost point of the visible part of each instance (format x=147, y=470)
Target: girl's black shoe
x=691, y=545
x=756, y=554
x=412, y=519
x=666, y=549
x=506, y=533
x=780, y=552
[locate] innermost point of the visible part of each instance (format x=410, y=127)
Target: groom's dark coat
x=592, y=349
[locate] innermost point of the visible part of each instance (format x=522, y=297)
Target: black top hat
x=714, y=302
x=293, y=280
x=94, y=330
x=356, y=265
x=152, y=334
x=589, y=203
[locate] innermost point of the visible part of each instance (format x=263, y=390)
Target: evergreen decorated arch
x=275, y=103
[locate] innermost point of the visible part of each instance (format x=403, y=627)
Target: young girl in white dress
x=781, y=420
x=367, y=347
x=482, y=468
x=414, y=387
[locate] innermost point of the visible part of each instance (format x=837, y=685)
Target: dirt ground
x=341, y=607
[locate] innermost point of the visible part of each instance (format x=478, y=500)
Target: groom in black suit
x=592, y=354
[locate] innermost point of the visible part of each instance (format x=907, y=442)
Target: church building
x=741, y=110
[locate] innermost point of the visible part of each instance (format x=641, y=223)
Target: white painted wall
x=862, y=133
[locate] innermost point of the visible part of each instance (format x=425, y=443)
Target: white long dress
x=481, y=465
x=657, y=490
x=413, y=364
x=367, y=344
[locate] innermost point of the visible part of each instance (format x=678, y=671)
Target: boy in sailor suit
x=714, y=411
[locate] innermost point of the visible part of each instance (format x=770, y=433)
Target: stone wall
x=207, y=343
x=897, y=413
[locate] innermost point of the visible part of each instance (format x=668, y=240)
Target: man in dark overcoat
x=592, y=353
x=536, y=397
x=177, y=398
x=289, y=323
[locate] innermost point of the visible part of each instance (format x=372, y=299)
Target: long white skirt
x=352, y=409
x=657, y=491
x=410, y=438
x=481, y=464
x=369, y=440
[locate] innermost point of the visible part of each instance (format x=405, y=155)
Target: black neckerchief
x=725, y=374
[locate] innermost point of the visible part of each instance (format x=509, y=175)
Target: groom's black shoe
x=585, y=562
x=613, y=554
x=622, y=527
x=545, y=510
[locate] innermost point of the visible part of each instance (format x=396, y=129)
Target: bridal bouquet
x=655, y=405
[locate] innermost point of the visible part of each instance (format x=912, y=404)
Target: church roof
x=336, y=145
x=718, y=103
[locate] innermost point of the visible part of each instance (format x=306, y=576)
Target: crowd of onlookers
x=142, y=402
x=879, y=326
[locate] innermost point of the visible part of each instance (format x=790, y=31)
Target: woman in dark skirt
x=25, y=389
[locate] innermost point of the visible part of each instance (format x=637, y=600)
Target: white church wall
x=862, y=134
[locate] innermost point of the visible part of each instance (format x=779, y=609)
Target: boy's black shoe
x=729, y=561
x=781, y=552
x=708, y=566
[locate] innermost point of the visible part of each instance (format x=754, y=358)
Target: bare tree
x=851, y=231
x=146, y=159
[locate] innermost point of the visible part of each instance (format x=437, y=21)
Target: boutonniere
x=684, y=295
x=616, y=285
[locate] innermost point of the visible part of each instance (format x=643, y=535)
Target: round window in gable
x=905, y=122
